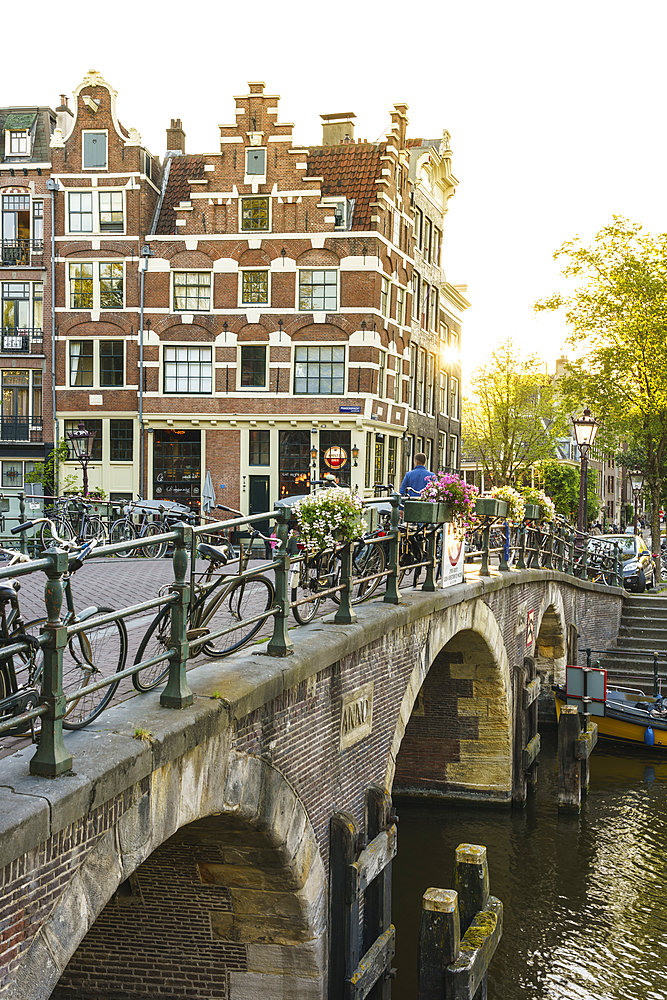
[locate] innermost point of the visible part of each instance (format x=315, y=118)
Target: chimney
x=175, y=138
x=63, y=115
x=399, y=121
x=337, y=128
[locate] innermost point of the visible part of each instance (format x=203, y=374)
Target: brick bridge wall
x=197, y=865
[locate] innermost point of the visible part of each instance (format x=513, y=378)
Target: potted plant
x=538, y=504
x=330, y=516
x=516, y=507
x=455, y=498
x=490, y=507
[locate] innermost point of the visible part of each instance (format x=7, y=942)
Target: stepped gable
x=183, y=169
x=350, y=169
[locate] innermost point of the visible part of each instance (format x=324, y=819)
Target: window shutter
x=94, y=149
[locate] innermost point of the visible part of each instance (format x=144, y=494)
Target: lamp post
x=585, y=429
x=82, y=446
x=637, y=484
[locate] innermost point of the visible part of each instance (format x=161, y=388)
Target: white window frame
x=326, y=200
x=193, y=270
x=382, y=375
x=254, y=305
x=252, y=388
x=320, y=345
x=400, y=305
x=164, y=361
x=250, y=197
x=454, y=397
x=25, y=132
x=398, y=379
x=453, y=448
x=325, y=308
x=96, y=341
x=95, y=131
x=96, y=306
x=95, y=212
x=385, y=297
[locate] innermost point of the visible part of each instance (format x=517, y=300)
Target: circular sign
x=335, y=457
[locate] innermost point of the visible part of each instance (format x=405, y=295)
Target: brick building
x=277, y=302
x=25, y=285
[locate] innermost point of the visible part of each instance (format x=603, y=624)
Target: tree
x=561, y=483
x=618, y=316
x=515, y=417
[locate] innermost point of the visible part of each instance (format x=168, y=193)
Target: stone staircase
x=642, y=633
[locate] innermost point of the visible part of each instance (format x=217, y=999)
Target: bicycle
x=221, y=601
x=88, y=527
x=95, y=652
x=125, y=529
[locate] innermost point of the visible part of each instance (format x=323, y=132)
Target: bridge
x=187, y=853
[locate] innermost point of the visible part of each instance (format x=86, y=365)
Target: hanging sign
x=453, y=553
x=335, y=457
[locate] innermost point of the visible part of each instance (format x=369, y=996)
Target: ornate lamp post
x=585, y=429
x=82, y=445
x=637, y=484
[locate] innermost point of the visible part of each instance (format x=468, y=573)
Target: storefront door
x=177, y=466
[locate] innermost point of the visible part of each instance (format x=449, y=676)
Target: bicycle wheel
x=63, y=529
x=366, y=560
x=99, y=651
x=244, y=599
x=301, y=585
x=94, y=529
x=123, y=531
x=154, y=642
x=157, y=549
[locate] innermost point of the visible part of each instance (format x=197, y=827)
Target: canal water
x=585, y=897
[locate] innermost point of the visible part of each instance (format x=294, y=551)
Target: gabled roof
x=39, y=122
x=349, y=169
x=182, y=169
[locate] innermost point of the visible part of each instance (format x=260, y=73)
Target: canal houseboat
x=630, y=717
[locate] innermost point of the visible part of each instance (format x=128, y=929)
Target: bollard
x=280, y=643
x=51, y=757
x=471, y=881
x=177, y=694
x=439, y=941
x=569, y=770
x=345, y=614
x=391, y=593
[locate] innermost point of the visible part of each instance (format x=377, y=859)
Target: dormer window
x=255, y=161
x=340, y=207
x=18, y=143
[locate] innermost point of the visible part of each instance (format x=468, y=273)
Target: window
x=427, y=239
x=382, y=374
x=121, y=434
x=429, y=452
x=396, y=235
x=112, y=357
x=192, y=291
x=96, y=362
x=96, y=285
x=454, y=342
x=96, y=212
x=437, y=245
x=12, y=473
x=81, y=363
x=415, y=295
x=319, y=370
x=413, y=376
x=38, y=223
x=430, y=408
x=367, y=470
x=18, y=143
x=433, y=325
x=111, y=211
x=18, y=419
x=255, y=161
x=22, y=314
x=318, y=290
x=255, y=213
x=253, y=367
x=378, y=469
x=91, y=425
x=188, y=370
x=259, y=448
x=391, y=461
x=453, y=397
x=444, y=334
x=255, y=287
x=384, y=297
x=443, y=391
x=426, y=295
x=400, y=306
x=442, y=441
x=339, y=206
x=419, y=219
x=94, y=150
x=453, y=452
x=81, y=212
x=398, y=364
x=421, y=366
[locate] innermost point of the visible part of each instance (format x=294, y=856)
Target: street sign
x=586, y=687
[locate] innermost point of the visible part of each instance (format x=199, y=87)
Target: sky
x=556, y=112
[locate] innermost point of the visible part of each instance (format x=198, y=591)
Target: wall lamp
x=355, y=454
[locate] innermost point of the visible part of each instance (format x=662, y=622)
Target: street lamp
x=585, y=429
x=637, y=484
x=82, y=446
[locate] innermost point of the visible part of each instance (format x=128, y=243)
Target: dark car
x=638, y=571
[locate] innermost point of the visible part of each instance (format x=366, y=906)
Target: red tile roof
x=350, y=169
x=182, y=169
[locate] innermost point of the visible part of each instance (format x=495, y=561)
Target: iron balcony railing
x=21, y=428
x=22, y=253
x=20, y=340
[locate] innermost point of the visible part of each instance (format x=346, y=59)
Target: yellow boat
x=630, y=717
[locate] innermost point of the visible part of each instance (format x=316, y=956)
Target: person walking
x=415, y=480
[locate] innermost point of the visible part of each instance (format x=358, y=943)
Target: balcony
x=21, y=340
x=21, y=429
x=22, y=253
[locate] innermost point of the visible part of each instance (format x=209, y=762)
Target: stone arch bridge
x=187, y=853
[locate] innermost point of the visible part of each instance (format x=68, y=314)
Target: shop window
x=294, y=462
x=253, y=367
x=259, y=452
x=121, y=438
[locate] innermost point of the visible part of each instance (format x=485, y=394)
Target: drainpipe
x=52, y=186
x=146, y=252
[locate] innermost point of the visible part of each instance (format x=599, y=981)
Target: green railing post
x=561, y=548
x=52, y=758
x=429, y=583
x=503, y=565
x=549, y=561
x=345, y=614
x=618, y=566
x=484, y=571
x=177, y=694
x=23, y=535
x=523, y=531
x=570, y=553
x=391, y=594
x=281, y=644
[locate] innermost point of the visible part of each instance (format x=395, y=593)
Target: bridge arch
x=455, y=721
x=213, y=874
x=551, y=637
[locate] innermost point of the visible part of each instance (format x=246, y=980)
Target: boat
x=631, y=716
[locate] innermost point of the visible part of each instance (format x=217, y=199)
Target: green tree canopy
x=514, y=417
x=618, y=317
x=561, y=483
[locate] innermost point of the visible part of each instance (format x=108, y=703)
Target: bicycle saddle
x=7, y=594
x=212, y=552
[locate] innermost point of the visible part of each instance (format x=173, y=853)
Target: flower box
x=445, y=513
x=421, y=512
x=490, y=507
x=533, y=512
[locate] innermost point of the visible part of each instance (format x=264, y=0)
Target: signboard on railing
x=453, y=553
x=586, y=687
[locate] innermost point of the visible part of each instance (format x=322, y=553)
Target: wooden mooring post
x=459, y=933
x=574, y=749
x=526, y=736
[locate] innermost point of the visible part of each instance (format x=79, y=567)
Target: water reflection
x=585, y=914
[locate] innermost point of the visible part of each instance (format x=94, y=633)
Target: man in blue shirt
x=415, y=480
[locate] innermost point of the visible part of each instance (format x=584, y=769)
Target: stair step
x=641, y=642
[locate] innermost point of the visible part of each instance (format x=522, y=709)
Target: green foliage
x=46, y=472
x=515, y=417
x=561, y=483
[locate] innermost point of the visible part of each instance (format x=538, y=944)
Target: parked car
x=638, y=571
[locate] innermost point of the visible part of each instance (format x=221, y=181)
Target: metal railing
x=19, y=253
x=19, y=340
x=21, y=428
